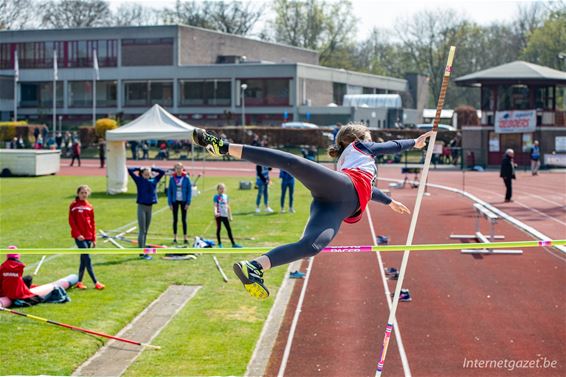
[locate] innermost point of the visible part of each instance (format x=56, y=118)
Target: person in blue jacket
x=287, y=182
x=146, y=198
x=262, y=183
x=179, y=195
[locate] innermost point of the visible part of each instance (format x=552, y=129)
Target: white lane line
x=513, y=220
x=527, y=207
x=396, y=328
x=287, y=351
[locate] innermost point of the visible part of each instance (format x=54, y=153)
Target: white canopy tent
x=154, y=124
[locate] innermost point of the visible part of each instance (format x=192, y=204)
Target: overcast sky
x=383, y=13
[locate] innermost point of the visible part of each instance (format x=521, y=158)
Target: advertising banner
x=507, y=122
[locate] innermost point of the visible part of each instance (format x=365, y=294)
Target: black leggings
x=176, y=206
x=223, y=220
x=334, y=199
x=86, y=263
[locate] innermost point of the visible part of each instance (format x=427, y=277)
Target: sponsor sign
x=515, y=121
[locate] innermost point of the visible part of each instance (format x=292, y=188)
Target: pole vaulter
x=422, y=184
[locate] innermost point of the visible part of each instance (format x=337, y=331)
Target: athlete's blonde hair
x=346, y=135
x=83, y=187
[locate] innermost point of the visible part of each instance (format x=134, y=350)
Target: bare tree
x=530, y=16
x=133, y=14
x=75, y=13
x=327, y=27
x=16, y=14
x=234, y=17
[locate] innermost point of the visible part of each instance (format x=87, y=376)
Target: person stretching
x=146, y=198
x=338, y=196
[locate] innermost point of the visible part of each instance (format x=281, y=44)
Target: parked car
x=298, y=125
x=441, y=127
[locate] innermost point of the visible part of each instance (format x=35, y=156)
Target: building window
x=6, y=60
x=80, y=93
x=147, y=52
x=205, y=93
x=148, y=93
x=40, y=94
x=513, y=97
x=267, y=92
x=544, y=98
x=161, y=93
x=338, y=90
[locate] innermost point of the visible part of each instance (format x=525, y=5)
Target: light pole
x=244, y=87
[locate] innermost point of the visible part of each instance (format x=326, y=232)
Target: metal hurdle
x=483, y=212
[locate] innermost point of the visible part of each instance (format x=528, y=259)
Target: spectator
x=255, y=141
x=335, y=132
x=76, y=152
x=14, y=143
x=83, y=230
x=145, y=150
x=223, y=214
x=101, y=152
x=287, y=183
x=134, y=149
x=179, y=195
x=535, y=158
x=262, y=182
x=20, y=144
x=36, y=133
x=146, y=198
x=59, y=140
x=39, y=142
x=508, y=173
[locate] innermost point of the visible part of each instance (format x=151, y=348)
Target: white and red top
x=357, y=161
x=81, y=220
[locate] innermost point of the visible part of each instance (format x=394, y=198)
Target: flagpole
x=54, y=93
x=16, y=78
x=95, y=78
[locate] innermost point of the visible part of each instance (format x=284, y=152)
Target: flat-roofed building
x=196, y=74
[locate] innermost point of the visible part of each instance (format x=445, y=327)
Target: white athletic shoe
x=268, y=209
x=283, y=210
x=257, y=210
x=292, y=210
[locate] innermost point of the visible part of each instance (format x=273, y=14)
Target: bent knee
x=314, y=245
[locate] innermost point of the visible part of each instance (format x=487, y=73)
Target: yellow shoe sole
x=257, y=291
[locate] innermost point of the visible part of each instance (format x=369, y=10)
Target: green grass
x=214, y=334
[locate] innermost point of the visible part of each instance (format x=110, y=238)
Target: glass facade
x=267, y=92
x=70, y=54
x=80, y=93
x=205, y=93
x=40, y=94
x=147, y=52
x=145, y=93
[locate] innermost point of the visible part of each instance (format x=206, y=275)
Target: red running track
x=494, y=307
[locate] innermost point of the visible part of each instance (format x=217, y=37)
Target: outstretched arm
x=393, y=146
x=379, y=196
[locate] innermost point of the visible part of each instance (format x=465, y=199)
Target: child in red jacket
x=83, y=230
x=12, y=284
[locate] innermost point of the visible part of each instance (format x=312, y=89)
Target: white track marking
x=289, y=343
x=396, y=329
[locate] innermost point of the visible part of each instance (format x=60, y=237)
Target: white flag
x=16, y=66
x=95, y=65
x=55, y=71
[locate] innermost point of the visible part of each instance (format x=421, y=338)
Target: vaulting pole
x=79, y=329
x=420, y=193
